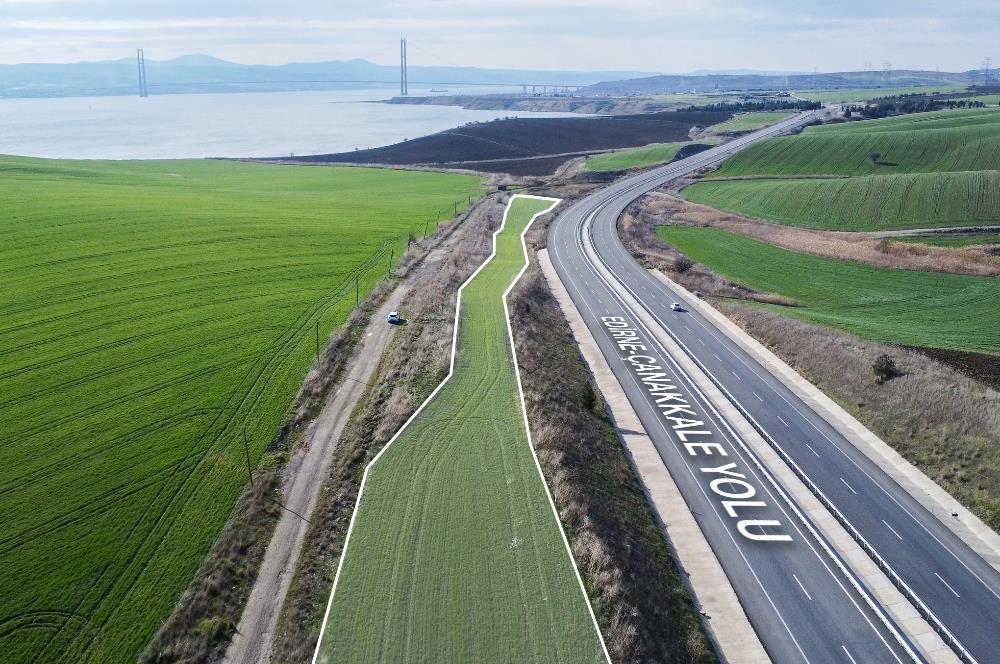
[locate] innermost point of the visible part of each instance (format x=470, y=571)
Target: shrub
x=884, y=368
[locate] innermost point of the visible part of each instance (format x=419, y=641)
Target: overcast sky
x=645, y=35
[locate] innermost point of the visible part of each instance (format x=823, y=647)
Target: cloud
x=373, y=24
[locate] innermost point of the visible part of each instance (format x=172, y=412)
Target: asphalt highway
x=803, y=604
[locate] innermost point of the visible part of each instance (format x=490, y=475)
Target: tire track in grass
x=475, y=609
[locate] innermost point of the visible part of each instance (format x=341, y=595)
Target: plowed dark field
x=520, y=141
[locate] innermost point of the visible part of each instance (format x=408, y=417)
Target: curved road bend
x=772, y=578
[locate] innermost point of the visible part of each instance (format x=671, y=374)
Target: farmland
x=920, y=170
x=154, y=313
x=954, y=239
x=850, y=95
x=649, y=155
x=927, y=309
x=751, y=121
x=455, y=553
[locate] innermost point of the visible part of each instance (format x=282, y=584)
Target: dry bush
x=666, y=207
x=945, y=423
x=414, y=365
x=638, y=595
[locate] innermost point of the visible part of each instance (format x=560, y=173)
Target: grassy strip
x=625, y=159
x=750, y=121
x=896, y=306
x=454, y=552
x=153, y=313
x=954, y=239
x=848, y=95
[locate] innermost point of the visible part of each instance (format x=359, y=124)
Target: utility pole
x=357, y=291
x=404, y=88
x=246, y=448
x=317, y=339
x=388, y=269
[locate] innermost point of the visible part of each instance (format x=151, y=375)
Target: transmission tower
x=987, y=64
x=887, y=70
x=141, y=62
x=404, y=88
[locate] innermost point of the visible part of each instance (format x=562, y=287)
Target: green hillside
x=750, y=121
x=912, y=308
x=932, y=169
x=151, y=313
x=868, y=203
x=621, y=160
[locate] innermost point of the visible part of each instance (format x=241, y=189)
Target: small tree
x=875, y=157
x=884, y=368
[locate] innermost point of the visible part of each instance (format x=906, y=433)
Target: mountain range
x=203, y=73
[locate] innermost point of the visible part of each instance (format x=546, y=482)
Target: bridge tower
x=404, y=88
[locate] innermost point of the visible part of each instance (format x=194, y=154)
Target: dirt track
x=253, y=640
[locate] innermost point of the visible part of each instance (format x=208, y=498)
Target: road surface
x=802, y=607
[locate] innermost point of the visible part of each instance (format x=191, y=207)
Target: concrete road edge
x=727, y=624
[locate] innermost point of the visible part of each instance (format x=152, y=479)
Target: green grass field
x=649, y=155
x=751, y=121
x=851, y=95
x=455, y=555
x=911, y=308
x=954, y=239
x=151, y=313
x=935, y=169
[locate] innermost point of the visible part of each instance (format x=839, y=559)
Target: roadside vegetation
x=905, y=307
x=945, y=423
x=745, y=122
x=154, y=314
x=638, y=593
x=455, y=552
x=923, y=170
x=650, y=155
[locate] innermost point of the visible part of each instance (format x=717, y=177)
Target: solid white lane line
x=848, y=653
x=802, y=587
x=946, y=585
x=758, y=397
x=848, y=486
x=892, y=529
x=812, y=450
x=782, y=420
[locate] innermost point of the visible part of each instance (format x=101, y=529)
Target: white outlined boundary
x=524, y=414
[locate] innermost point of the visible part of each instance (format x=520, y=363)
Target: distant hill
x=203, y=73
x=674, y=83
